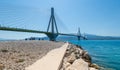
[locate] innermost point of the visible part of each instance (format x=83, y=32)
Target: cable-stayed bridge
x=52, y=29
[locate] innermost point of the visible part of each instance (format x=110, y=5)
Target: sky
x=99, y=17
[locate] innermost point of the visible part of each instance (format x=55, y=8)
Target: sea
x=105, y=53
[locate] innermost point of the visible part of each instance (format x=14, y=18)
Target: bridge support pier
x=53, y=30
x=52, y=37
x=79, y=34
x=78, y=38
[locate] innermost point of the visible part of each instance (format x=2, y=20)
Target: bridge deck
x=31, y=31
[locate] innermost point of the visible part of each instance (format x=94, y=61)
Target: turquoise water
x=105, y=53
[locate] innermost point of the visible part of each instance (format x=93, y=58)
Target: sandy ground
x=16, y=55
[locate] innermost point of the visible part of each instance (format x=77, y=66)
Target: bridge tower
x=52, y=27
x=79, y=34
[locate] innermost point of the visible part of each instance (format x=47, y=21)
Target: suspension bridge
x=52, y=29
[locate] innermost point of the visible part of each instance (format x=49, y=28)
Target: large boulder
x=71, y=58
x=78, y=64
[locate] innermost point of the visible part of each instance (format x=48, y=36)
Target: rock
x=77, y=51
x=72, y=50
x=65, y=59
x=71, y=68
x=78, y=64
x=95, y=66
x=83, y=52
x=80, y=51
x=79, y=47
x=2, y=66
x=61, y=69
x=66, y=64
x=92, y=68
x=89, y=63
x=67, y=53
x=69, y=47
x=77, y=56
x=71, y=58
x=86, y=57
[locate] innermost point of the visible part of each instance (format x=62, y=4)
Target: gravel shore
x=16, y=55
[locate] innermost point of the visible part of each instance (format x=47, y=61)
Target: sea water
x=105, y=53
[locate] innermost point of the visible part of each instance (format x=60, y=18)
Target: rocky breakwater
x=77, y=59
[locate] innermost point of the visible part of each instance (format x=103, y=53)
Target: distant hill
x=89, y=37
x=96, y=37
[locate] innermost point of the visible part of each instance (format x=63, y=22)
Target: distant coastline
x=67, y=38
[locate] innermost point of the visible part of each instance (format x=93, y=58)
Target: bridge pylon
x=79, y=34
x=52, y=27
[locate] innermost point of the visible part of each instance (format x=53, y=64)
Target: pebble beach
x=16, y=55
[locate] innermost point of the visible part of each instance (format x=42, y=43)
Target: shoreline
x=20, y=54
x=76, y=58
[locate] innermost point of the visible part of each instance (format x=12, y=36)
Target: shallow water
x=105, y=53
